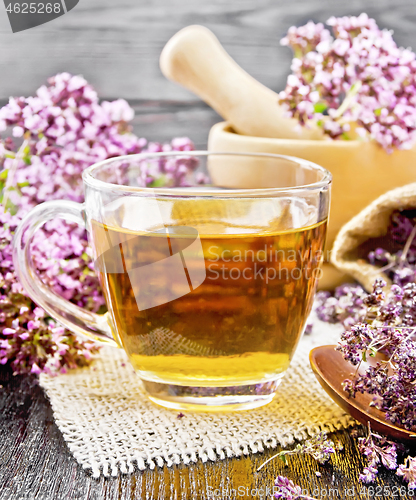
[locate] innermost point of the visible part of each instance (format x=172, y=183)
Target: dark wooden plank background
x=116, y=44
x=36, y=465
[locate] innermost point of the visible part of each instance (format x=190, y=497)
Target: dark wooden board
x=116, y=44
x=162, y=120
x=36, y=464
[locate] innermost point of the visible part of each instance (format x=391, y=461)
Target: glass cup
x=208, y=288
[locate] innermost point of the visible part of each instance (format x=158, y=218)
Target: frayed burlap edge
x=111, y=427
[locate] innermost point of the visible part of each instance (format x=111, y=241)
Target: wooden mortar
x=255, y=122
x=362, y=171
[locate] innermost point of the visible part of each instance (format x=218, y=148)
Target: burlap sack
x=367, y=231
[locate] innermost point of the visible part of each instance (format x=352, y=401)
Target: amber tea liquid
x=240, y=326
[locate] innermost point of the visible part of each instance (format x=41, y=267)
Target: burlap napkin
x=110, y=426
x=367, y=231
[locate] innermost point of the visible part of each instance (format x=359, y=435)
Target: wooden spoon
x=195, y=59
x=331, y=370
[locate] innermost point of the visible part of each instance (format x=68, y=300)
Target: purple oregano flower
x=49, y=140
x=355, y=80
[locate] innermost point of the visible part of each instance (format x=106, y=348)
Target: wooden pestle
x=195, y=59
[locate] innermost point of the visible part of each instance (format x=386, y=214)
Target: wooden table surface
x=35, y=462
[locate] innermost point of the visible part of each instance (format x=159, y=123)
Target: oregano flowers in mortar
x=48, y=140
x=353, y=82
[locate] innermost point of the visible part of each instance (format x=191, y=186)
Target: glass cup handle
x=76, y=319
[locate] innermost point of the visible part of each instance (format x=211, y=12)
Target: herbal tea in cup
x=208, y=289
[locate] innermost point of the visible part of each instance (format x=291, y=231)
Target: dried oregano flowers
x=389, y=329
x=346, y=305
x=385, y=323
x=286, y=489
x=398, y=263
x=319, y=447
x=377, y=450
